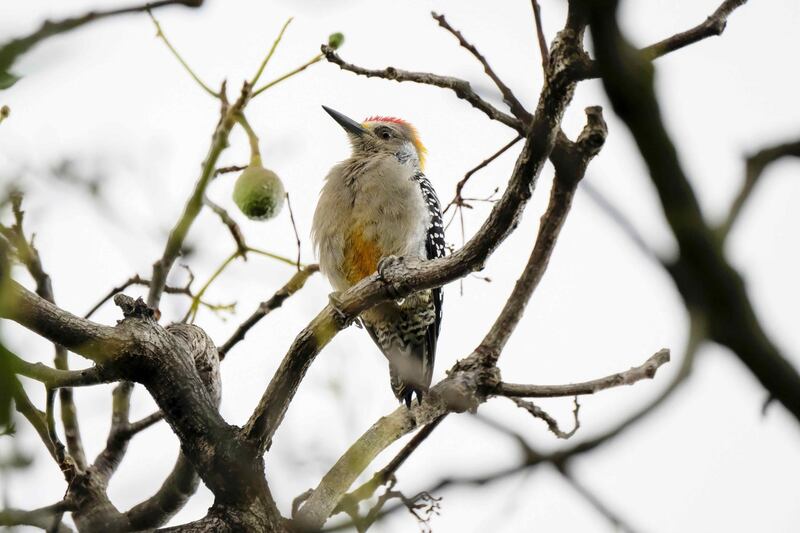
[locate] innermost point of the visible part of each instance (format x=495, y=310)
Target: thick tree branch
x=702, y=274
x=84, y=337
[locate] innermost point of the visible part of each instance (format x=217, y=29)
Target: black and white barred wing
x=435, y=248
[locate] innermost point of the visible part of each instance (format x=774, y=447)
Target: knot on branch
x=469, y=383
x=593, y=136
x=131, y=308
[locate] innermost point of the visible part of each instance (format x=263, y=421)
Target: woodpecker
x=375, y=204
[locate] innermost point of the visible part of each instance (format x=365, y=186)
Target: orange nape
x=361, y=256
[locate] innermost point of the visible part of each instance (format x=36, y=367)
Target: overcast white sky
x=112, y=98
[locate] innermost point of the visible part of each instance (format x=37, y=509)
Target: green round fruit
x=259, y=193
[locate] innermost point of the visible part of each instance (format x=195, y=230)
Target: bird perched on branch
x=376, y=204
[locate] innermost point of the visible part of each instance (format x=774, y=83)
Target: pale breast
x=359, y=220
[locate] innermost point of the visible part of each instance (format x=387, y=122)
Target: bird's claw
x=384, y=267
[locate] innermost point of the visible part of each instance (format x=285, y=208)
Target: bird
x=374, y=205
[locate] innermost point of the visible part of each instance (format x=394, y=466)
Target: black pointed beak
x=350, y=125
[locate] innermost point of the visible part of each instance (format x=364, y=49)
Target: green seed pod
x=259, y=193
x=335, y=40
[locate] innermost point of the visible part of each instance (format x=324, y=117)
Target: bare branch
x=713, y=25
x=292, y=286
x=219, y=142
x=543, y=50
x=350, y=501
x=233, y=227
x=294, y=227
x=647, y=370
x=510, y=99
x=11, y=50
x=701, y=272
x=460, y=87
x=53, y=378
x=160, y=34
x=754, y=168
x=137, y=280
x=181, y=483
x=44, y=288
x=458, y=199
x=47, y=518
x=232, y=168
x=551, y=422
x=619, y=218
x=614, y=518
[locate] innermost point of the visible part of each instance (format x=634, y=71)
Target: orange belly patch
x=361, y=256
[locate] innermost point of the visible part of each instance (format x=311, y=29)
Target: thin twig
x=292, y=286
x=316, y=59
x=552, y=423
x=233, y=227
x=269, y=55
x=713, y=25
x=754, y=168
x=621, y=220
x=461, y=88
x=160, y=33
x=617, y=522
x=513, y=103
x=294, y=227
x=543, y=49
x=232, y=168
x=137, y=280
x=458, y=200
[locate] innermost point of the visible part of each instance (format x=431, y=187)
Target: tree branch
x=471, y=380
x=701, y=273
x=461, y=88
x=510, y=99
x=219, y=142
x=44, y=288
x=647, y=370
x=713, y=25
x=46, y=518
x=11, y=50
x=292, y=286
x=754, y=168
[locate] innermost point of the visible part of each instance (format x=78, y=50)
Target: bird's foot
x=385, y=266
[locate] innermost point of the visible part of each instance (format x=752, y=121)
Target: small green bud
x=259, y=193
x=336, y=40
x=5, y=111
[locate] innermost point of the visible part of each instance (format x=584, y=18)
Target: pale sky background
x=112, y=98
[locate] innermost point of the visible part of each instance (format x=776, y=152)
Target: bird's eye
x=384, y=133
